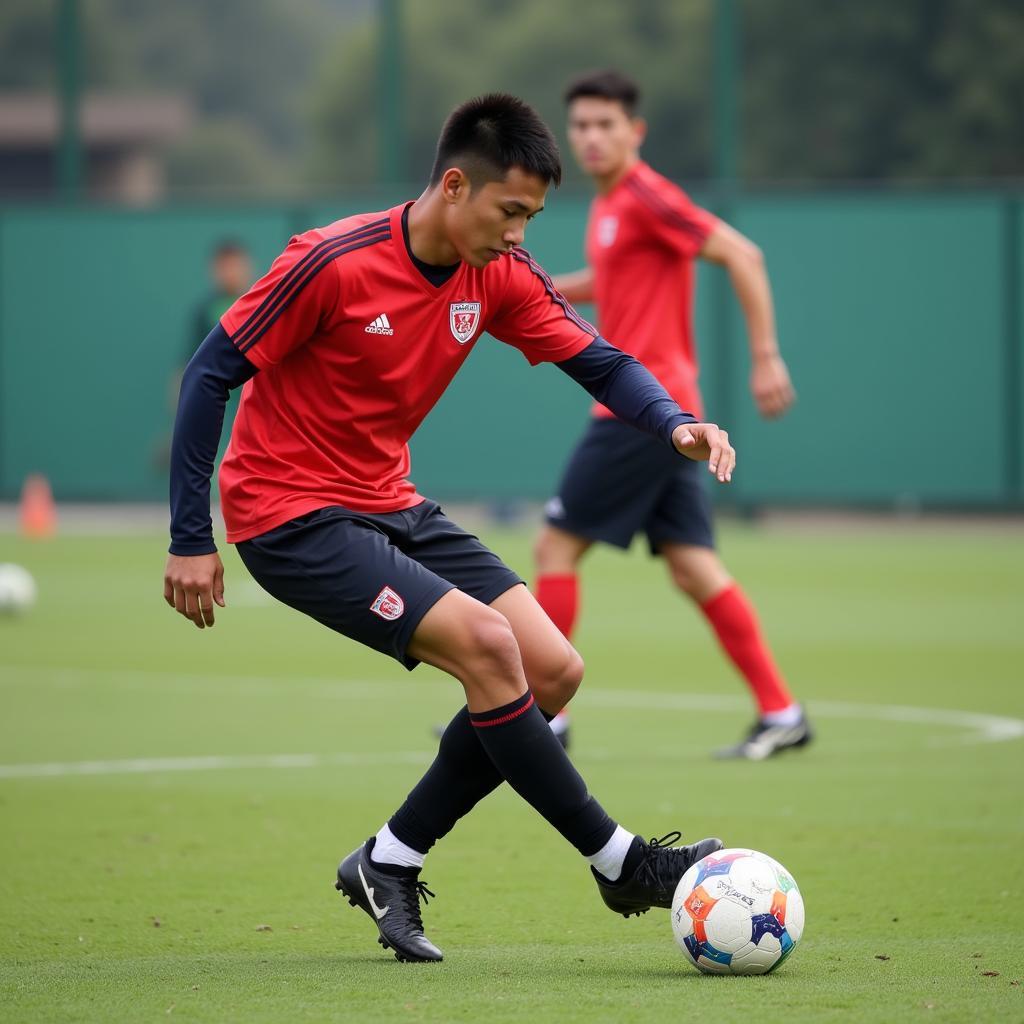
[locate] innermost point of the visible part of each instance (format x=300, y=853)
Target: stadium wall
x=900, y=315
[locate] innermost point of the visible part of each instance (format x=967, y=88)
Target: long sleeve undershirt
x=615, y=379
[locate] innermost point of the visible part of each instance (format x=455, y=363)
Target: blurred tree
x=459, y=48
x=911, y=89
x=27, y=31
x=246, y=65
x=916, y=89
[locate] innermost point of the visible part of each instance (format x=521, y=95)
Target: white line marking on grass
x=981, y=727
x=151, y=765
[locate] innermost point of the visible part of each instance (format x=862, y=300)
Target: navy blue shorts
x=620, y=481
x=373, y=577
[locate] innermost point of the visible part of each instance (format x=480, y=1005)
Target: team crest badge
x=607, y=229
x=388, y=605
x=463, y=318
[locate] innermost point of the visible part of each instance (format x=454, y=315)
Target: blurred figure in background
x=230, y=277
x=230, y=273
x=643, y=238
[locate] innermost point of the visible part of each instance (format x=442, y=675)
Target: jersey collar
x=398, y=241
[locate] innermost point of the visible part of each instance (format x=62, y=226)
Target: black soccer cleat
x=654, y=880
x=391, y=897
x=764, y=740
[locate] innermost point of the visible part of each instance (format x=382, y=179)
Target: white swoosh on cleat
x=378, y=912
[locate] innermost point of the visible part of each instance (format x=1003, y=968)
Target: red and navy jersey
x=642, y=240
x=355, y=347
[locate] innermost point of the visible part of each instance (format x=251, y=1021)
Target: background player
x=643, y=236
x=230, y=274
x=343, y=347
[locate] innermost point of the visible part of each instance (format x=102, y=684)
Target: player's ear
x=639, y=131
x=454, y=185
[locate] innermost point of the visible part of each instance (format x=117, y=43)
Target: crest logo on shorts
x=463, y=318
x=388, y=605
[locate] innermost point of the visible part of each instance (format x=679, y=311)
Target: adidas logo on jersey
x=380, y=326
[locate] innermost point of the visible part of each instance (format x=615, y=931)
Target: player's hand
x=770, y=385
x=706, y=442
x=192, y=584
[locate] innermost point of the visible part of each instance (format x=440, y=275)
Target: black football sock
x=529, y=757
x=460, y=777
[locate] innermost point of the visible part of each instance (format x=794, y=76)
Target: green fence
x=901, y=317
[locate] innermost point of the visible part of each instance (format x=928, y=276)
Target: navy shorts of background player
x=620, y=481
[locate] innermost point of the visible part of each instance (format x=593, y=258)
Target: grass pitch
x=174, y=802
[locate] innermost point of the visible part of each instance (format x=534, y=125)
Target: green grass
x=141, y=896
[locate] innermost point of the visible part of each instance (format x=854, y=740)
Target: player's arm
x=280, y=312
x=769, y=378
x=633, y=393
x=577, y=286
x=194, y=575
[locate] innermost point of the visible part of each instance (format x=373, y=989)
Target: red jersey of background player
x=642, y=240
x=371, y=346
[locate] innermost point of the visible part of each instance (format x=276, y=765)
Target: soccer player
x=643, y=238
x=230, y=276
x=343, y=347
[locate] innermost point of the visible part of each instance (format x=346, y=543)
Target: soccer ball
x=737, y=912
x=17, y=589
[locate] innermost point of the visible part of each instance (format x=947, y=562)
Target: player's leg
x=610, y=483
x=348, y=572
x=478, y=646
x=680, y=529
x=557, y=554
x=498, y=650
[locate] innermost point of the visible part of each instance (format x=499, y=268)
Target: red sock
x=559, y=595
x=735, y=621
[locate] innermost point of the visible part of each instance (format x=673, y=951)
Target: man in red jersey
x=643, y=238
x=343, y=347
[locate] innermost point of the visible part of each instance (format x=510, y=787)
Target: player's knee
x=572, y=674
x=685, y=578
x=558, y=683
x=490, y=646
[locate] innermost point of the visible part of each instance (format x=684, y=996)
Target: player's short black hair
x=486, y=137
x=608, y=84
x=229, y=247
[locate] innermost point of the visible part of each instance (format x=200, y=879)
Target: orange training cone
x=38, y=512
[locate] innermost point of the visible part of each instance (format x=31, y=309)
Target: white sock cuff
x=390, y=850
x=784, y=716
x=608, y=860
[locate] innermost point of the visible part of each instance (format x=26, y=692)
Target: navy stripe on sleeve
x=650, y=198
x=328, y=256
x=301, y=274
x=556, y=297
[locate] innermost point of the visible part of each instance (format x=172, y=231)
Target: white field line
x=151, y=765
x=977, y=727
x=980, y=727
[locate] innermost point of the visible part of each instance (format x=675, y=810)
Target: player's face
x=603, y=137
x=486, y=221
x=232, y=273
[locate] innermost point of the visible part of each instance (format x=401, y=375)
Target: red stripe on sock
x=558, y=594
x=486, y=723
x=735, y=622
